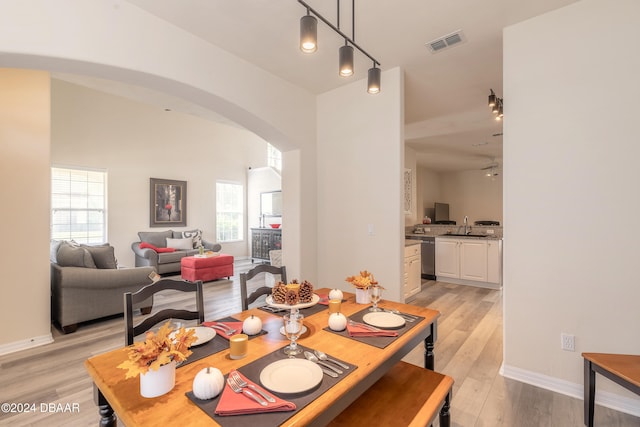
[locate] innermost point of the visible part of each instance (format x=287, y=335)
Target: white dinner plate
x=314, y=300
x=203, y=335
x=291, y=376
x=304, y=330
x=382, y=319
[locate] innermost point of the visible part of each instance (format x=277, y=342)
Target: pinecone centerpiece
x=306, y=292
x=292, y=293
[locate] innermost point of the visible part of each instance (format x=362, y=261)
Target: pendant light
x=346, y=60
x=308, y=44
x=373, y=80
x=308, y=33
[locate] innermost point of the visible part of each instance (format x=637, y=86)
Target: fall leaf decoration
x=363, y=281
x=158, y=349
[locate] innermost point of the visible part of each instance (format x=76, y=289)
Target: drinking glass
x=375, y=294
x=292, y=329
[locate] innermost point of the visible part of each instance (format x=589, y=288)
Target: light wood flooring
x=469, y=348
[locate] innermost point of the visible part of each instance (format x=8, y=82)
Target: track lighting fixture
x=308, y=33
x=345, y=55
x=373, y=80
x=309, y=44
x=496, y=105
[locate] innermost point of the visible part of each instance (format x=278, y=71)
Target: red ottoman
x=206, y=269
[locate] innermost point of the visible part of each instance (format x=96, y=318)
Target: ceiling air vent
x=447, y=41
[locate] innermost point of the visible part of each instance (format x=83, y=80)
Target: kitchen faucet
x=466, y=223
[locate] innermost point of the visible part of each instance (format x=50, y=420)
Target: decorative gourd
x=252, y=325
x=335, y=294
x=208, y=383
x=337, y=321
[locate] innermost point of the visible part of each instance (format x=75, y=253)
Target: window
x=229, y=213
x=78, y=205
x=274, y=157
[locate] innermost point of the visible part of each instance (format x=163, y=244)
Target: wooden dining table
x=115, y=394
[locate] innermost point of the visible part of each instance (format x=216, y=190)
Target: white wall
x=135, y=142
x=473, y=194
x=25, y=194
x=360, y=167
x=571, y=199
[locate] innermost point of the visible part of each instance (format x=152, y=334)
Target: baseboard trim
x=25, y=344
x=604, y=398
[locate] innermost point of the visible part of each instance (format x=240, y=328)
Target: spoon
x=331, y=371
x=322, y=356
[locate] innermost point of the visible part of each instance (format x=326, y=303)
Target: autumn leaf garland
x=158, y=349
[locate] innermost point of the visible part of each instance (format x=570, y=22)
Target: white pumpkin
x=208, y=383
x=337, y=321
x=335, y=294
x=252, y=325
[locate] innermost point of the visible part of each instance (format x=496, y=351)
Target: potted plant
x=155, y=359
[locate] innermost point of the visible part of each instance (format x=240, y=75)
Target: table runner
x=380, y=342
x=216, y=345
x=252, y=371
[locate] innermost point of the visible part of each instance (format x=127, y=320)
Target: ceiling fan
x=491, y=169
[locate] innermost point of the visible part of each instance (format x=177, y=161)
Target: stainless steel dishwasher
x=428, y=249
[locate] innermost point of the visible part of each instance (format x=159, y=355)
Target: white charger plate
x=314, y=300
x=384, y=320
x=290, y=376
x=203, y=335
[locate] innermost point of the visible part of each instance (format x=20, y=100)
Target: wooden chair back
x=263, y=290
x=131, y=299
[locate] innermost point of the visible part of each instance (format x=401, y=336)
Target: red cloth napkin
x=360, y=331
x=324, y=299
x=232, y=403
x=235, y=325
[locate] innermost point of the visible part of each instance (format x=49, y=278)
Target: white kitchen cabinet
x=469, y=261
x=447, y=258
x=494, y=261
x=412, y=270
x=473, y=260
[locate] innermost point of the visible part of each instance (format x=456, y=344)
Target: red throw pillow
x=144, y=245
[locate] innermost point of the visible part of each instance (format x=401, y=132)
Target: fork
x=237, y=389
x=224, y=328
x=242, y=383
x=364, y=325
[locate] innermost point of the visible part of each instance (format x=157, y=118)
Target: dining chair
x=262, y=290
x=132, y=299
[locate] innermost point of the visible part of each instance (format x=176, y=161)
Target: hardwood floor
x=469, y=348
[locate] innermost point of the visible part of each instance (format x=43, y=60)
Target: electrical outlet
x=568, y=342
x=489, y=231
x=427, y=229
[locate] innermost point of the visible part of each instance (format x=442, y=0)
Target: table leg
x=445, y=416
x=429, y=357
x=107, y=416
x=589, y=393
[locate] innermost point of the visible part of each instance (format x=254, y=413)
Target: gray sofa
x=183, y=243
x=86, y=284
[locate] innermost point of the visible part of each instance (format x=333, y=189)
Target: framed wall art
x=408, y=191
x=168, y=203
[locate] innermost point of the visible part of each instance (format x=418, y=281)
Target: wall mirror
x=271, y=203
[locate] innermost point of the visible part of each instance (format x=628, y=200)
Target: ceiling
x=448, y=122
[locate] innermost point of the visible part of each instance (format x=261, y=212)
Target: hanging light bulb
x=308, y=33
x=346, y=60
x=373, y=80
x=492, y=98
